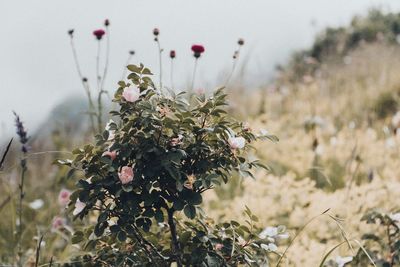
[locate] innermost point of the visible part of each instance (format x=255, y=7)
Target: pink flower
x=219, y=246
x=111, y=154
x=99, y=33
x=126, y=175
x=63, y=197
x=131, y=94
x=197, y=50
x=57, y=223
x=79, y=206
x=236, y=142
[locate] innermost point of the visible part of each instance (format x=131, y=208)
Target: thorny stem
x=176, y=248
x=194, y=74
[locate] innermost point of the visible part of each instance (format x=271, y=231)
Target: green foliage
x=166, y=152
x=385, y=105
x=383, y=245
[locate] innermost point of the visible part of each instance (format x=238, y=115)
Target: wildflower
x=126, y=175
x=218, y=246
x=269, y=247
x=57, y=223
x=99, y=33
x=197, y=50
x=341, y=261
x=272, y=234
x=21, y=132
x=156, y=31
x=111, y=154
x=395, y=217
x=79, y=206
x=236, y=142
x=63, y=197
x=106, y=22
x=241, y=41
x=36, y=204
x=172, y=54
x=131, y=94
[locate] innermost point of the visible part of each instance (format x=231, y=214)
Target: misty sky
x=37, y=69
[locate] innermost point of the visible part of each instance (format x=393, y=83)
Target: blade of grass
x=3, y=158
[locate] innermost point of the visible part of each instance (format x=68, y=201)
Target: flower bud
x=172, y=54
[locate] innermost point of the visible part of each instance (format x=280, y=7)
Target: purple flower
x=197, y=50
x=99, y=33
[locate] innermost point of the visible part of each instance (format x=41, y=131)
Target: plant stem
x=84, y=84
x=21, y=197
x=172, y=73
x=194, y=74
x=99, y=89
x=160, y=61
x=174, y=237
x=235, y=60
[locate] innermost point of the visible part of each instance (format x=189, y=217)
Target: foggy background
x=37, y=70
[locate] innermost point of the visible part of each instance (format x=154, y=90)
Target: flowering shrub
x=154, y=163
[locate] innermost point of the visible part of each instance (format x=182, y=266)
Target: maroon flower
x=241, y=41
x=71, y=32
x=197, y=50
x=106, y=23
x=156, y=31
x=172, y=54
x=99, y=33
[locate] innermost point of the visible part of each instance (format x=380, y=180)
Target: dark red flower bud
x=241, y=41
x=106, y=23
x=71, y=32
x=172, y=54
x=156, y=31
x=197, y=50
x=84, y=79
x=99, y=33
x=131, y=52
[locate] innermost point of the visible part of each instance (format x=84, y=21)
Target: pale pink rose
x=79, y=206
x=126, y=175
x=219, y=246
x=236, y=142
x=131, y=94
x=57, y=223
x=63, y=197
x=111, y=154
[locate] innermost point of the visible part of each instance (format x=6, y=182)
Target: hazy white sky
x=37, y=70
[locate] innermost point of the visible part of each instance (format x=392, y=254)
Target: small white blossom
x=36, y=204
x=341, y=261
x=269, y=247
x=79, y=206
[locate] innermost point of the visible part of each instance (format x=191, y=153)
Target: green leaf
x=190, y=211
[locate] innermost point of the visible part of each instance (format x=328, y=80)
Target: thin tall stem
x=172, y=73
x=84, y=82
x=194, y=74
x=126, y=64
x=160, y=61
x=98, y=77
x=21, y=197
x=99, y=88
x=107, y=59
x=235, y=60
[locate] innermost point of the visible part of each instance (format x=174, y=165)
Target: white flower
x=272, y=233
x=264, y=132
x=341, y=261
x=79, y=206
x=111, y=133
x=36, y=204
x=131, y=94
x=396, y=120
x=236, y=142
x=269, y=247
x=395, y=217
